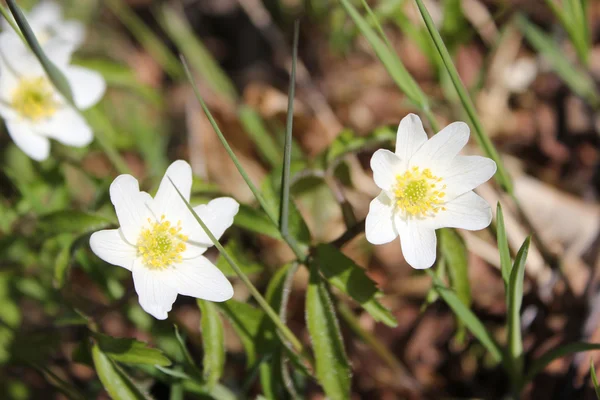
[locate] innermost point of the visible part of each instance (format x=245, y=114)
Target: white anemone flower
x=33, y=110
x=47, y=22
x=162, y=244
x=426, y=186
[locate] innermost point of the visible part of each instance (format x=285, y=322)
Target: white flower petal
x=468, y=211
x=385, y=165
x=217, y=215
x=410, y=137
x=465, y=173
x=32, y=144
x=438, y=151
x=111, y=246
x=88, y=86
x=18, y=57
x=131, y=206
x=379, y=225
x=156, y=294
x=418, y=244
x=73, y=32
x=68, y=127
x=167, y=201
x=199, y=278
x=45, y=13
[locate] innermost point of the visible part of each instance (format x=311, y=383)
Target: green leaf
x=298, y=230
x=72, y=221
x=557, y=352
x=344, y=274
x=390, y=60
x=515, y=299
x=56, y=76
x=180, y=31
x=146, y=36
x=594, y=379
x=332, y=367
x=118, y=385
x=129, y=351
x=63, y=259
x=255, y=127
x=455, y=252
x=348, y=142
x=578, y=80
x=241, y=257
x=467, y=317
x=503, y=249
x=255, y=220
x=502, y=176
x=246, y=321
x=213, y=342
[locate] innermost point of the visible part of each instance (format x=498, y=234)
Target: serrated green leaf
x=332, y=366
x=213, y=342
x=72, y=221
x=515, y=299
x=118, y=385
x=129, y=351
x=57, y=78
x=345, y=275
x=558, y=352
x=468, y=318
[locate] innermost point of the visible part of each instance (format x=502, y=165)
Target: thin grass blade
x=515, y=299
x=483, y=140
x=557, y=352
x=503, y=249
x=594, y=379
x=284, y=205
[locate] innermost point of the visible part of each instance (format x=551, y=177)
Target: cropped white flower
x=426, y=186
x=47, y=22
x=162, y=244
x=33, y=110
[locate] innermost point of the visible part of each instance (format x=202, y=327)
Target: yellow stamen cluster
x=417, y=192
x=161, y=245
x=34, y=99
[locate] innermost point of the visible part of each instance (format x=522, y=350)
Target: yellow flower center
x=34, y=99
x=161, y=245
x=417, y=192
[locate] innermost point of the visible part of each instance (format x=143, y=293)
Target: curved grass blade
x=483, y=140
x=54, y=74
x=467, y=317
x=558, y=352
x=578, y=80
x=332, y=367
x=515, y=299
